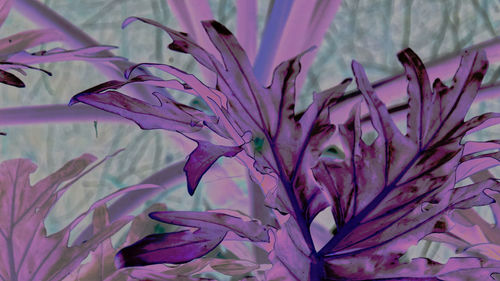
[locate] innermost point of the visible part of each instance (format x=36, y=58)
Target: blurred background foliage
x=370, y=31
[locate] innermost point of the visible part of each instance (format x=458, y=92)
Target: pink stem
x=394, y=88
x=55, y=113
x=246, y=26
x=61, y=113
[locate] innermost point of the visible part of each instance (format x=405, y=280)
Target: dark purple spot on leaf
x=440, y=226
x=178, y=46
x=220, y=28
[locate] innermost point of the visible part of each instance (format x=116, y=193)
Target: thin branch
x=56, y=113
x=394, y=88
x=61, y=113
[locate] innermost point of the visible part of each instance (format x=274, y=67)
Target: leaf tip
x=73, y=100
x=221, y=29
x=128, y=21
x=346, y=81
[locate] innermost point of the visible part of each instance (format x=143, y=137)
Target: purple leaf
x=169, y=115
x=189, y=17
x=175, y=247
x=58, y=54
x=479, y=146
x=217, y=220
x=379, y=190
x=420, y=97
x=471, y=164
x=473, y=194
x=386, y=266
x=290, y=255
x=101, y=265
x=249, y=110
x=184, y=246
x=28, y=253
x=202, y=158
x=182, y=43
x=384, y=196
x=465, y=229
x=10, y=79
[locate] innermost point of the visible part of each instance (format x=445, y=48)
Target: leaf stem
x=317, y=263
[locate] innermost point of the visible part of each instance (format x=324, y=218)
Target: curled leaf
x=202, y=158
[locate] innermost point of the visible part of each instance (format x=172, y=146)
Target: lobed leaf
x=29, y=253
x=174, y=247
x=186, y=245
x=202, y=158
x=218, y=220
x=393, y=190
x=386, y=266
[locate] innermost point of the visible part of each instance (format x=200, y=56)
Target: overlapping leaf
x=380, y=189
x=469, y=233
x=29, y=254
x=14, y=56
x=385, y=196
x=101, y=265
x=285, y=143
x=386, y=266
x=186, y=245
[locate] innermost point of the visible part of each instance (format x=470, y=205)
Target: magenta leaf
x=28, y=253
x=202, y=158
x=186, y=245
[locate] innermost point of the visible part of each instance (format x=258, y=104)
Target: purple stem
x=61, y=113
x=56, y=113
x=271, y=38
x=308, y=22
x=246, y=26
